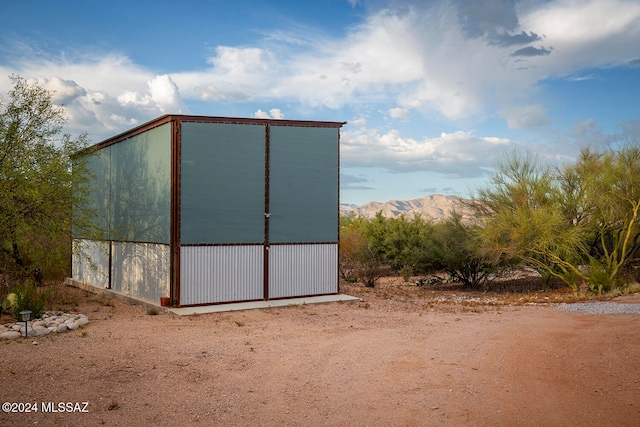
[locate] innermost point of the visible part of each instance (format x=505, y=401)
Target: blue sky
x=433, y=91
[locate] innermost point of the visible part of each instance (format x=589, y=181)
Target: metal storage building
x=208, y=210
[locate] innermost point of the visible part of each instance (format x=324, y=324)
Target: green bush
x=599, y=278
x=28, y=297
x=406, y=272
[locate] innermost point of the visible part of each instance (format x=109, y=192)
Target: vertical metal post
x=338, y=258
x=110, y=220
x=174, y=239
x=110, y=263
x=267, y=213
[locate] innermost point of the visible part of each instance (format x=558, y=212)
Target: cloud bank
x=454, y=60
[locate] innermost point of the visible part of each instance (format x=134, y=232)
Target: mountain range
x=435, y=206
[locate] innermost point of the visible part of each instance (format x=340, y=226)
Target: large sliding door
x=222, y=221
x=303, y=207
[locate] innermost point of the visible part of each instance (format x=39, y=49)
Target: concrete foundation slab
x=217, y=308
x=187, y=311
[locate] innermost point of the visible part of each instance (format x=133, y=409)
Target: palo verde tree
x=38, y=185
x=521, y=220
x=579, y=223
x=603, y=195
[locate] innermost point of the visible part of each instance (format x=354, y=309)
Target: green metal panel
x=303, y=183
x=141, y=187
x=97, y=198
x=222, y=183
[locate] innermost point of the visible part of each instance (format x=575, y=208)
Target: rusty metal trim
x=258, y=121
x=167, y=118
x=175, y=214
x=338, y=216
x=252, y=300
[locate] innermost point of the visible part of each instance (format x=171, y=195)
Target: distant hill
x=435, y=206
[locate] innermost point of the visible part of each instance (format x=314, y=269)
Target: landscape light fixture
x=26, y=315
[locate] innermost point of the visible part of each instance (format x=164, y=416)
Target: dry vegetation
x=453, y=297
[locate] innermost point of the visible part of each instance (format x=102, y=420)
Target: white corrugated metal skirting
x=214, y=274
x=141, y=270
x=297, y=270
x=91, y=262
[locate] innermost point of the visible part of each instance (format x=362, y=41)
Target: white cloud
x=123, y=120
x=587, y=33
x=165, y=95
x=89, y=90
x=237, y=74
x=453, y=154
x=396, y=113
x=162, y=95
x=588, y=133
x=427, y=56
x=64, y=91
x=360, y=121
x=274, y=113
x=241, y=61
x=526, y=116
x=261, y=114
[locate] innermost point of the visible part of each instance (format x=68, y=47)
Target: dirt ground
x=404, y=356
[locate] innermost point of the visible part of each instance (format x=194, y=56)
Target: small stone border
x=51, y=322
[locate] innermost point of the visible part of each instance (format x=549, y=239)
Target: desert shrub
x=28, y=297
x=404, y=244
x=63, y=297
x=456, y=251
x=599, y=279
x=357, y=257
x=406, y=272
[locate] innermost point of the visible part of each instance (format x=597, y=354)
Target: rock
x=10, y=335
x=41, y=331
x=71, y=325
x=38, y=331
x=50, y=322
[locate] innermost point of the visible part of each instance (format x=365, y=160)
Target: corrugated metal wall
x=222, y=183
x=296, y=270
x=91, y=262
x=303, y=185
x=211, y=274
x=213, y=201
x=141, y=270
